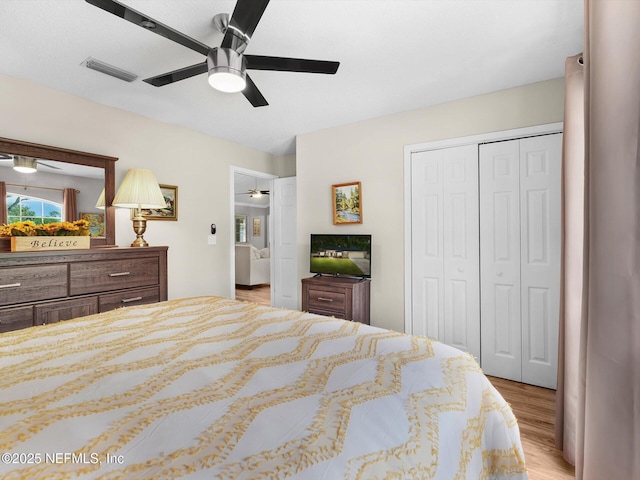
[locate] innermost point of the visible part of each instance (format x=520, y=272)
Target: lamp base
x=139, y=226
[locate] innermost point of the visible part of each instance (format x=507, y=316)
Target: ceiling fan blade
x=177, y=75
x=252, y=94
x=245, y=18
x=48, y=166
x=148, y=23
x=283, y=64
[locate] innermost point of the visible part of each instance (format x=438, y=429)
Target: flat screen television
x=348, y=255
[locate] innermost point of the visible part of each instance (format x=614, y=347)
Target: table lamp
x=139, y=190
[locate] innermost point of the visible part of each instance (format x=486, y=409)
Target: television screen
x=341, y=255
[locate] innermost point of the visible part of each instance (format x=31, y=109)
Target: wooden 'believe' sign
x=41, y=243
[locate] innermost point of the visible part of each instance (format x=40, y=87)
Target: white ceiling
x=395, y=55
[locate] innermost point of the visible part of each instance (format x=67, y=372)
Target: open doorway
x=251, y=246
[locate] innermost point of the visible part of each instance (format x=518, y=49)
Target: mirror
x=74, y=169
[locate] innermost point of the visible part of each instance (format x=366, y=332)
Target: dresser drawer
x=52, y=312
x=100, y=276
x=140, y=296
x=327, y=300
x=16, y=318
x=33, y=283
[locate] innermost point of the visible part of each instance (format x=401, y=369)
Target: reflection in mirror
x=39, y=196
x=57, y=173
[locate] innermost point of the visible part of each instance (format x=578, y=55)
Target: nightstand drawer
x=16, y=318
x=139, y=296
x=94, y=277
x=327, y=300
x=29, y=284
x=340, y=297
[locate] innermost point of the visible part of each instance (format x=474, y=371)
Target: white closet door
x=427, y=249
x=500, y=259
x=445, y=249
x=540, y=172
x=520, y=258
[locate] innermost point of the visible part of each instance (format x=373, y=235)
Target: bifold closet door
x=445, y=262
x=520, y=258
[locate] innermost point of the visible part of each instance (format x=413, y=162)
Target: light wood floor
x=534, y=407
x=259, y=294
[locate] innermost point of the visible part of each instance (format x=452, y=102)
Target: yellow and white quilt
x=207, y=387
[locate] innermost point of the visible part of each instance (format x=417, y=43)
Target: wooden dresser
x=37, y=288
x=340, y=297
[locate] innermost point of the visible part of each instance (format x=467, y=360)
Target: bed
x=208, y=387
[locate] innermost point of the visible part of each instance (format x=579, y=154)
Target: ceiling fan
x=227, y=64
x=25, y=164
x=254, y=192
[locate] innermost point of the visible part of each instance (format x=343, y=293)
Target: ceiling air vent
x=100, y=66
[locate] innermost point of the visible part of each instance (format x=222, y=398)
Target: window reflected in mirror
x=55, y=191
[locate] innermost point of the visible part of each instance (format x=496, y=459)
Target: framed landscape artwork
x=96, y=223
x=170, y=194
x=347, y=203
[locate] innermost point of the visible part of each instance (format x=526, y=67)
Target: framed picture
x=96, y=223
x=257, y=231
x=347, y=203
x=170, y=194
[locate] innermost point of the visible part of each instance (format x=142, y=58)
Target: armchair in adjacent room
x=252, y=265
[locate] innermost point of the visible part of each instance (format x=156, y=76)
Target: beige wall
x=372, y=152
x=196, y=163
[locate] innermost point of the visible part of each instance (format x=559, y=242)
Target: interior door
x=540, y=184
x=499, y=171
x=445, y=257
x=520, y=258
x=427, y=257
x=284, y=274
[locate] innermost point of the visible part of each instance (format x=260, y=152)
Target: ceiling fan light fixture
x=25, y=164
x=226, y=70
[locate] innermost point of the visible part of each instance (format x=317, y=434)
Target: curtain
x=3, y=203
x=607, y=414
x=69, y=205
x=572, y=286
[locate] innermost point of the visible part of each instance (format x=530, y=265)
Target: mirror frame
x=45, y=152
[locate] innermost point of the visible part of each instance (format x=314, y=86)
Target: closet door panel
x=445, y=261
x=499, y=172
x=540, y=166
x=461, y=252
x=427, y=250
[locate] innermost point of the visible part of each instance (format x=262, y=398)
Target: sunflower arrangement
x=27, y=228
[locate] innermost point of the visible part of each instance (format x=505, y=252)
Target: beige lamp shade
x=100, y=203
x=139, y=189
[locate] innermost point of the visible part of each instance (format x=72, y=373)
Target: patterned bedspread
x=208, y=387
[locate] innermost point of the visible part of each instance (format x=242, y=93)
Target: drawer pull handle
x=120, y=274
x=133, y=299
x=10, y=285
x=324, y=299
